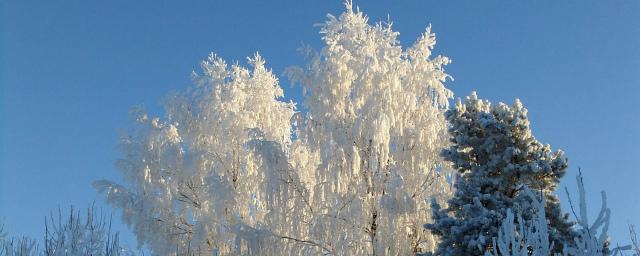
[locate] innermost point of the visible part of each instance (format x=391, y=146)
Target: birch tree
x=232, y=169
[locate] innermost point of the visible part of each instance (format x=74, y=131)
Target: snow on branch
x=517, y=237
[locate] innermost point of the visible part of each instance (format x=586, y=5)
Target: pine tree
x=495, y=155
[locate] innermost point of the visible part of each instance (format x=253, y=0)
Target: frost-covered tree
x=16, y=246
x=213, y=175
x=635, y=243
x=368, y=146
x=516, y=238
x=495, y=155
x=75, y=235
x=72, y=235
x=231, y=169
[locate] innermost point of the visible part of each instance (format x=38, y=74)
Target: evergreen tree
x=495, y=155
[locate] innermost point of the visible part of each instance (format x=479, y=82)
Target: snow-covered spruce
x=495, y=155
x=220, y=172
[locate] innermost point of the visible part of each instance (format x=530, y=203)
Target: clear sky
x=70, y=70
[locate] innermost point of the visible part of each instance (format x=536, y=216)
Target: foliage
x=231, y=169
x=495, y=155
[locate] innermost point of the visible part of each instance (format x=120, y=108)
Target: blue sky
x=70, y=71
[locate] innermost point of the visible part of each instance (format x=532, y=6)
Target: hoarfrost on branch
x=225, y=171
